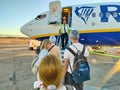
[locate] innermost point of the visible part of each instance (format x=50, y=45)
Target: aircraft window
x=107, y=14
x=115, y=14
x=93, y=14
x=100, y=14
x=40, y=16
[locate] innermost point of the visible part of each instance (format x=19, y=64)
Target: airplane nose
x=24, y=30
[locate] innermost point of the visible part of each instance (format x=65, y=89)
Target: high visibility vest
x=61, y=30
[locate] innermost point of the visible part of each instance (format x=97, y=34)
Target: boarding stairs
x=58, y=43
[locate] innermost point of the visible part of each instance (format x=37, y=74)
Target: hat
x=52, y=39
x=74, y=34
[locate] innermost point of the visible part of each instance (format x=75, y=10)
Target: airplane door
x=54, y=12
x=67, y=12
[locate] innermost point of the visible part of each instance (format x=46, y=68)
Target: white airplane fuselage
x=98, y=24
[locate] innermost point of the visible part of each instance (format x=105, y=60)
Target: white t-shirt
x=70, y=56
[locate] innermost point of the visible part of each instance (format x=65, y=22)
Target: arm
x=59, y=53
x=66, y=62
x=68, y=29
x=60, y=30
x=86, y=53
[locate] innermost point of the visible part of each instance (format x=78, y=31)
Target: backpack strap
x=73, y=54
x=71, y=51
x=51, y=48
x=75, y=46
x=82, y=53
x=83, y=50
x=69, y=87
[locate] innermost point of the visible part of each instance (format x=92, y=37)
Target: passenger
x=54, y=50
x=44, y=51
x=51, y=73
x=64, y=31
x=69, y=59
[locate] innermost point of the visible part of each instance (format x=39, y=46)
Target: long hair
x=45, y=42
x=50, y=71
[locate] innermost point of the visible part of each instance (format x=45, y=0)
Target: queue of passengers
x=50, y=70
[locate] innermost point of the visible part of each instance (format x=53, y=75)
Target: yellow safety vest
x=61, y=30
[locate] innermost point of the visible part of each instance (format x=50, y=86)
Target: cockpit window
x=40, y=16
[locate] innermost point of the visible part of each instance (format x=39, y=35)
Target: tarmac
x=16, y=73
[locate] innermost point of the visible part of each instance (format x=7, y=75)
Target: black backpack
x=81, y=70
x=69, y=87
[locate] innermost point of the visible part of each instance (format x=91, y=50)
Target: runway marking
x=94, y=61
x=112, y=72
x=109, y=55
x=4, y=52
x=11, y=49
x=16, y=56
x=93, y=88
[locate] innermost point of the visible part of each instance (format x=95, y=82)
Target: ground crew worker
x=64, y=31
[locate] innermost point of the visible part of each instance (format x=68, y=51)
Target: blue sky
x=15, y=13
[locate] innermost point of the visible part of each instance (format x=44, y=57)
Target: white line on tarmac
x=10, y=49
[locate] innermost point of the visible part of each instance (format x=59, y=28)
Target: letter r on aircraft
x=109, y=9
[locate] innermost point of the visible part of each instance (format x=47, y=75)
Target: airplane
x=97, y=23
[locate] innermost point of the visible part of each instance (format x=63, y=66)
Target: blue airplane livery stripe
x=103, y=38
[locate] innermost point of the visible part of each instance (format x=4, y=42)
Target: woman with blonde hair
x=45, y=44
x=51, y=73
x=44, y=50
